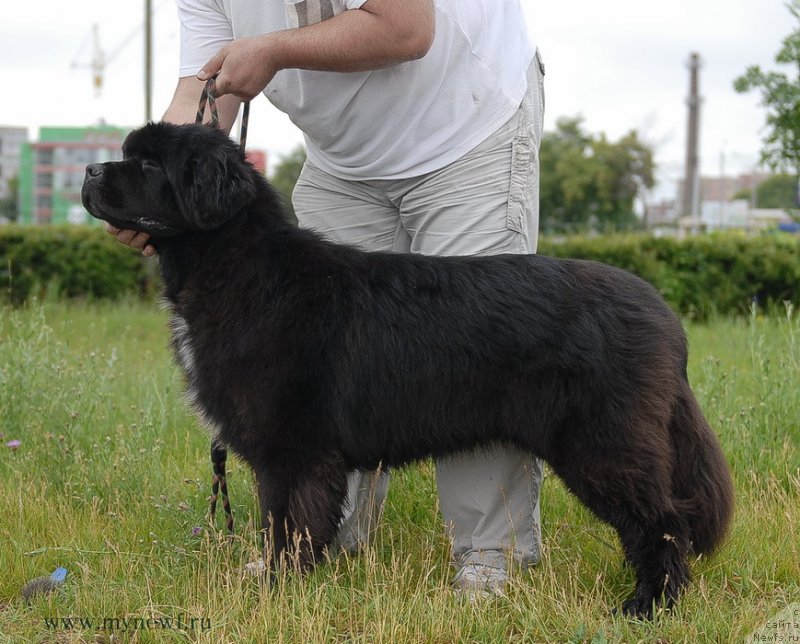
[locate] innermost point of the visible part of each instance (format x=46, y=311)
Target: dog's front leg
x=301, y=507
x=273, y=500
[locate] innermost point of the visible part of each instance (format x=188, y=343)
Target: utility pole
x=148, y=59
x=691, y=184
x=722, y=191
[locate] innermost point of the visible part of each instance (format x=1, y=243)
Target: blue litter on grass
x=43, y=585
x=59, y=575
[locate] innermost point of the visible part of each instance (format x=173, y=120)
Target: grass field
x=110, y=479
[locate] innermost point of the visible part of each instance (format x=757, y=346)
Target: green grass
x=112, y=474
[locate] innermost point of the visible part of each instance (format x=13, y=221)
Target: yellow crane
x=100, y=60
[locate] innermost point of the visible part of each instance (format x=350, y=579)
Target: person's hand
x=133, y=239
x=243, y=67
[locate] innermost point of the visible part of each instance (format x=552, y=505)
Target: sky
x=620, y=65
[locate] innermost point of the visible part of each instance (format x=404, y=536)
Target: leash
x=219, y=454
x=208, y=96
x=219, y=485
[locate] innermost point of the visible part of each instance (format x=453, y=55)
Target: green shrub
x=699, y=276
x=67, y=261
x=704, y=275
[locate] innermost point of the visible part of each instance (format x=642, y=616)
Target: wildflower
x=13, y=444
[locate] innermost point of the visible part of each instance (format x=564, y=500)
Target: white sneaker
x=478, y=581
x=255, y=568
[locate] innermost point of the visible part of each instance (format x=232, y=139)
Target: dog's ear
x=216, y=184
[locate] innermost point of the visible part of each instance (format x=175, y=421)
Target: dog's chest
x=184, y=351
x=182, y=346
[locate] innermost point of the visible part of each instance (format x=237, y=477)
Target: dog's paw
x=635, y=608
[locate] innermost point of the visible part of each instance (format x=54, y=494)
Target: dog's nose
x=94, y=170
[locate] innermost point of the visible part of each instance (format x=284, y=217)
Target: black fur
x=311, y=359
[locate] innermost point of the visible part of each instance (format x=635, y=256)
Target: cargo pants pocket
x=520, y=192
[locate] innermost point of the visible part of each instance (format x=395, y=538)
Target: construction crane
x=100, y=59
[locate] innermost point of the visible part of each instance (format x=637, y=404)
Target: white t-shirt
x=393, y=123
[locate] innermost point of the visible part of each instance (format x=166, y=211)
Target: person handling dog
x=422, y=121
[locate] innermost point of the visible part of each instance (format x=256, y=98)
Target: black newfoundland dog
x=311, y=359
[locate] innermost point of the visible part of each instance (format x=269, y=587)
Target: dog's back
x=520, y=349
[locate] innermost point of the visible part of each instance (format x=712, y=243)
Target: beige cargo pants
x=485, y=203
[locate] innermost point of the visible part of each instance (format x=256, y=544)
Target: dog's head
x=172, y=179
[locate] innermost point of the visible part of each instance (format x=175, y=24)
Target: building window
x=44, y=180
x=108, y=154
x=45, y=157
x=73, y=180
x=79, y=156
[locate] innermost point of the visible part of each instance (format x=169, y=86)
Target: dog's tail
x=701, y=479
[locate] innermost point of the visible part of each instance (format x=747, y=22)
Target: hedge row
x=67, y=261
x=704, y=275
x=699, y=276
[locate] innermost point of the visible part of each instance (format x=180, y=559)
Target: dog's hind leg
x=636, y=501
x=695, y=517
x=301, y=507
x=658, y=554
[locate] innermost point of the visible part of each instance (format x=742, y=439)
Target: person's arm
x=182, y=109
x=379, y=34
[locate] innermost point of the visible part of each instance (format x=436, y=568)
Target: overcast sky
x=621, y=64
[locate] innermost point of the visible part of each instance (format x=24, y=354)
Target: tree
x=9, y=207
x=590, y=182
x=781, y=96
x=625, y=171
x=778, y=191
x=285, y=175
x=565, y=181
x=744, y=194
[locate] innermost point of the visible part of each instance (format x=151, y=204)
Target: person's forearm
x=183, y=107
x=380, y=34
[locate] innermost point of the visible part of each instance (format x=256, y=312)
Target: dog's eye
x=148, y=163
